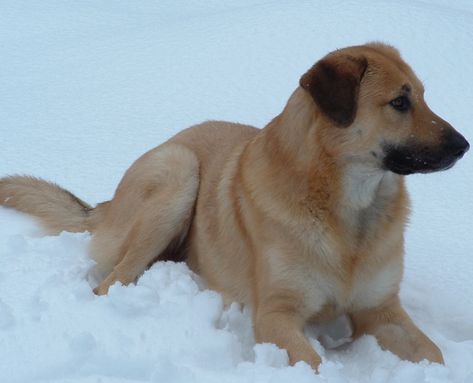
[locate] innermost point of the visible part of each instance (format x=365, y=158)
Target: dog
x=302, y=220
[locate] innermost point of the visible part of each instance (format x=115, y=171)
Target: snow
x=88, y=86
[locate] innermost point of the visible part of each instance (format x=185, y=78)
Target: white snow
x=87, y=86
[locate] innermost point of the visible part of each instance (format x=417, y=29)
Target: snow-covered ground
x=87, y=86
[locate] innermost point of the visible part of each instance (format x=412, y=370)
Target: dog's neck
x=364, y=184
x=306, y=172
x=290, y=132
x=368, y=194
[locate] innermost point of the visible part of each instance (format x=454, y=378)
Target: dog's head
x=373, y=109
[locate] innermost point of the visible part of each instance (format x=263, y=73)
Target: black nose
x=458, y=145
x=462, y=147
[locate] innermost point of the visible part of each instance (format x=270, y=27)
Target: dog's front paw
x=101, y=289
x=429, y=352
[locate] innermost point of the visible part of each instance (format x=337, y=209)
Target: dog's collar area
x=362, y=184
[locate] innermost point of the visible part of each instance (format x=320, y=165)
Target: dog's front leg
x=396, y=332
x=284, y=327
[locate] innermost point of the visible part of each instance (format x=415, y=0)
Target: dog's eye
x=401, y=103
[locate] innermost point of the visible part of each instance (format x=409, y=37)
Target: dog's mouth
x=412, y=157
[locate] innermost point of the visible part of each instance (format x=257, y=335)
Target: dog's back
x=159, y=191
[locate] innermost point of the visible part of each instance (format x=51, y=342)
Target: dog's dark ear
x=333, y=83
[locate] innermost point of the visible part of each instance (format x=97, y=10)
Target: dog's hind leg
x=152, y=207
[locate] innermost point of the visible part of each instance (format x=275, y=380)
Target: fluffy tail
x=56, y=208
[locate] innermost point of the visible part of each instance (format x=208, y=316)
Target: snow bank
x=88, y=86
x=167, y=328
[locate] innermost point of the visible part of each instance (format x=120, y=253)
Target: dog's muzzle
x=413, y=157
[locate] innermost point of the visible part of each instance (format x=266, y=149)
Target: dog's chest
x=366, y=285
x=352, y=269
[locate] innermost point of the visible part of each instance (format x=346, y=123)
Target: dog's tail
x=56, y=208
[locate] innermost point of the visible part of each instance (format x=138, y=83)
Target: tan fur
x=297, y=220
x=58, y=209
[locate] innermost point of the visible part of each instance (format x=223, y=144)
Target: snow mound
x=166, y=328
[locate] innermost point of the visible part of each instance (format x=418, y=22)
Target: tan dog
x=302, y=220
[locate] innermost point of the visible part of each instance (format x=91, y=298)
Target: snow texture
x=87, y=86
